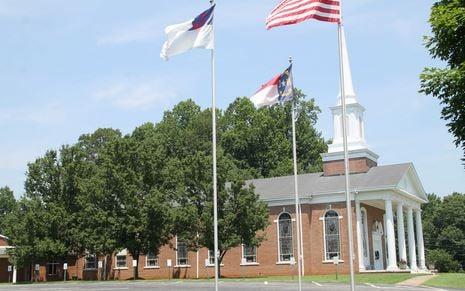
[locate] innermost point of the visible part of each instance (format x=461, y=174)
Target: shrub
x=442, y=261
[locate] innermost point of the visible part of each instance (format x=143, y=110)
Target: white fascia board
x=410, y=196
x=364, y=194
x=363, y=152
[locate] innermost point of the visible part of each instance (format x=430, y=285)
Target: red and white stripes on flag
x=295, y=11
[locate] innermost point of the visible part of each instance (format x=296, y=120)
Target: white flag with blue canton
x=195, y=33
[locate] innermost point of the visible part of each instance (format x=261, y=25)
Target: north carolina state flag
x=278, y=89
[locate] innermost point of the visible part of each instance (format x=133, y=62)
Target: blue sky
x=70, y=67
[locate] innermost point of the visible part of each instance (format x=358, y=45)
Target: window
x=181, y=254
x=151, y=260
x=52, y=268
x=249, y=254
x=90, y=262
x=331, y=232
x=121, y=259
x=364, y=232
x=211, y=257
x=285, y=237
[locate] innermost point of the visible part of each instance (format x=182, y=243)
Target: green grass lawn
x=379, y=278
x=448, y=280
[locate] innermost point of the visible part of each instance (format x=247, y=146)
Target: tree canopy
x=110, y=191
x=447, y=43
x=444, y=230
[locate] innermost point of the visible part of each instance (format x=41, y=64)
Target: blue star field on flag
x=285, y=86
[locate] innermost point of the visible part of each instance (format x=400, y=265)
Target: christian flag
x=278, y=89
x=194, y=33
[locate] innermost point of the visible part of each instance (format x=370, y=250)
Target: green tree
x=97, y=225
x=430, y=216
x=186, y=132
x=136, y=165
x=260, y=140
x=447, y=44
x=38, y=227
x=7, y=205
x=442, y=260
x=444, y=226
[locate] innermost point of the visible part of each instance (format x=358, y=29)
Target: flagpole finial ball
x=290, y=59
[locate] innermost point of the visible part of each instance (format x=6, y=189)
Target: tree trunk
x=136, y=269
x=220, y=259
x=105, y=268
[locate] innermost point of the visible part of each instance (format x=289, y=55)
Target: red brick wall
x=3, y=241
x=267, y=253
x=356, y=165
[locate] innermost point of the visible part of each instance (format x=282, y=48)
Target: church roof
x=380, y=177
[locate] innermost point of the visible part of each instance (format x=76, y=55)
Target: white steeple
x=348, y=86
x=355, y=125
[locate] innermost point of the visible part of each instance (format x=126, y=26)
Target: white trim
x=176, y=253
x=116, y=262
x=338, y=196
x=242, y=256
x=331, y=261
x=283, y=262
x=210, y=265
x=209, y=259
x=151, y=267
x=364, y=215
x=353, y=154
x=292, y=236
x=324, y=234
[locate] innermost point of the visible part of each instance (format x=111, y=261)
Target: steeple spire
x=348, y=86
x=357, y=145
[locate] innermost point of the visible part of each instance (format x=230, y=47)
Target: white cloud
x=137, y=94
x=147, y=30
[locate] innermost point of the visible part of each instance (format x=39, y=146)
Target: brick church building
x=387, y=224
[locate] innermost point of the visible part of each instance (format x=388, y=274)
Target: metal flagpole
x=346, y=156
x=296, y=190
x=215, y=194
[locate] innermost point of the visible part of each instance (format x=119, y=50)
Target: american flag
x=295, y=11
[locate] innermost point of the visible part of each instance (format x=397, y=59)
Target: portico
x=392, y=231
x=396, y=191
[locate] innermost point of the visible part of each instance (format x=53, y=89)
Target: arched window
x=285, y=237
x=331, y=232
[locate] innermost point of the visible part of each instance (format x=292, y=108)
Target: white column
x=401, y=232
x=411, y=241
x=391, y=240
x=358, y=213
x=420, y=247
x=14, y=275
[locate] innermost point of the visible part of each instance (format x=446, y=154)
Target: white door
x=377, y=235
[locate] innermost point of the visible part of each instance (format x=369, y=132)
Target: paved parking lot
x=203, y=285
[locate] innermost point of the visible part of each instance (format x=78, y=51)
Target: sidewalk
x=416, y=281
